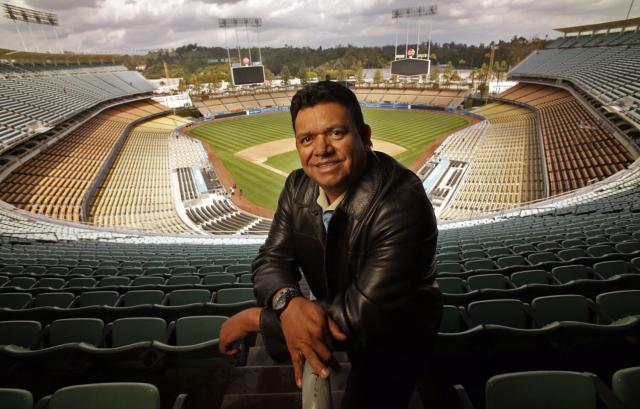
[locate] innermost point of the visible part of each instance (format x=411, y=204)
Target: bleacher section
x=136, y=193
x=38, y=98
x=605, y=66
x=578, y=149
x=54, y=183
x=281, y=97
x=505, y=164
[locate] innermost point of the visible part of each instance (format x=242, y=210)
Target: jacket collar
x=360, y=195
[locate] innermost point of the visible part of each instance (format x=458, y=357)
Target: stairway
x=265, y=384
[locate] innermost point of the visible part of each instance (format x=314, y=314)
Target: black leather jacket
x=373, y=269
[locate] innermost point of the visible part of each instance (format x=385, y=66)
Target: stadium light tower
x=30, y=16
x=247, y=71
x=409, y=63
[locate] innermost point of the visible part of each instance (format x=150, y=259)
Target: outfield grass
x=413, y=130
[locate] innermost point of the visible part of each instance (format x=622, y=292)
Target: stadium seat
x=239, y=268
x=15, y=301
x=142, y=297
x=572, y=254
x=449, y=268
x=234, y=295
x=538, y=389
x=563, y=308
x=115, y=281
x=608, y=269
x=58, y=299
x=512, y=261
x=452, y=320
x=572, y=272
x=619, y=304
x=626, y=386
x=196, y=342
x=485, y=281
x=601, y=250
x=191, y=296
x=183, y=280
x=479, y=265
x=451, y=285
x=630, y=247
x=98, y=298
x=216, y=279
x=22, y=333
x=15, y=398
x=204, y=270
x=510, y=313
x=129, y=343
x=151, y=280
x=528, y=277
x=108, y=396
x=246, y=279
x=21, y=282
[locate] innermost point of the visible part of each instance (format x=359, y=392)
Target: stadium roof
x=50, y=58
x=632, y=22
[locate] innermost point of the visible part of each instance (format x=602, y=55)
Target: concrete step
x=291, y=400
x=276, y=379
x=258, y=357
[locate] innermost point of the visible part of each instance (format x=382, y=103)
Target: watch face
x=280, y=302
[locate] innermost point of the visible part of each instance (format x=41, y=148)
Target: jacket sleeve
x=391, y=300
x=276, y=267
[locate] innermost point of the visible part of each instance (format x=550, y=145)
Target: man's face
x=331, y=151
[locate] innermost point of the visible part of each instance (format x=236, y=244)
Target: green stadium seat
x=184, y=270
x=190, y=296
x=24, y=334
x=129, y=343
x=608, y=269
x=449, y=268
x=509, y=313
x=629, y=247
x=15, y=301
x=498, y=251
x=543, y=389
x=234, y=295
x=626, y=386
x=524, y=249
x=451, y=285
x=572, y=254
x=216, y=279
x=21, y=282
x=15, y=398
x=114, y=281
x=452, y=320
x=49, y=282
x=540, y=258
x=130, y=271
x=183, y=280
x=110, y=396
x=58, y=270
x=35, y=270
x=479, y=265
x=573, y=243
x=512, y=261
x=472, y=254
x=204, y=270
x=157, y=271
x=98, y=298
x=147, y=280
x=81, y=271
x=619, y=304
x=601, y=250
x=142, y=297
x=75, y=330
x=239, y=268
x=487, y=281
x=246, y=279
x=57, y=299
x=529, y=277
x=571, y=272
x=563, y=308
x=196, y=342
x=85, y=282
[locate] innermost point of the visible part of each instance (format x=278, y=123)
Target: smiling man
x=359, y=227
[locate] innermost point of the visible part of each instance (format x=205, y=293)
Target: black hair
x=328, y=91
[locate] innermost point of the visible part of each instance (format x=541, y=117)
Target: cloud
x=125, y=25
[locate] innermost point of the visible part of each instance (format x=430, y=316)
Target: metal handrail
x=316, y=391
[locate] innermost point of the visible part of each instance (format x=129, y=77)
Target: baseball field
x=259, y=151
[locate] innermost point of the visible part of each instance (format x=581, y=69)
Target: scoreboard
x=410, y=66
x=253, y=74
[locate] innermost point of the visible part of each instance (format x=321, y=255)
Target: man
x=360, y=228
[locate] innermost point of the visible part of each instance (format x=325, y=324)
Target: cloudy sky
x=128, y=25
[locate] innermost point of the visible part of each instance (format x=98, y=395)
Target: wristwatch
x=282, y=299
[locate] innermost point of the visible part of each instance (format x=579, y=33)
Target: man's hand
x=308, y=331
x=237, y=328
